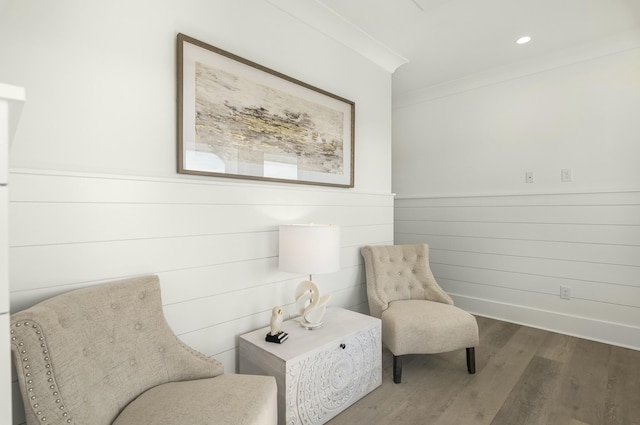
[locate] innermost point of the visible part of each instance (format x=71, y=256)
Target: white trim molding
x=582, y=327
x=612, y=45
x=320, y=17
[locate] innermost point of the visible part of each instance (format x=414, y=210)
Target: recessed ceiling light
x=524, y=40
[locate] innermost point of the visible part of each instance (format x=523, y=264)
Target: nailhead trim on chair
x=26, y=368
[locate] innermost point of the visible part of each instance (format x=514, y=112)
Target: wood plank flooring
x=525, y=376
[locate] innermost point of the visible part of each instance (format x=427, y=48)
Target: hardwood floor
x=524, y=376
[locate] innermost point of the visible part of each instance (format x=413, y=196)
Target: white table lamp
x=310, y=249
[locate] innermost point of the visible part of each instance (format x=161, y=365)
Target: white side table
x=319, y=372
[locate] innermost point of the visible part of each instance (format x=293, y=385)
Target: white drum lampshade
x=310, y=249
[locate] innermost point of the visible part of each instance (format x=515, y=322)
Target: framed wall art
x=242, y=120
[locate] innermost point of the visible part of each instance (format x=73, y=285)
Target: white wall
x=503, y=247
x=582, y=116
x=95, y=195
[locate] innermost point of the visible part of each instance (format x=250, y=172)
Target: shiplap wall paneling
x=508, y=256
x=214, y=245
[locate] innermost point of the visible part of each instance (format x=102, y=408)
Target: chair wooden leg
x=471, y=360
x=397, y=369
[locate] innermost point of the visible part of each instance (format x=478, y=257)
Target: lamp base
x=310, y=326
x=311, y=305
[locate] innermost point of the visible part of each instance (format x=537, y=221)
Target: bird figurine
x=311, y=305
x=276, y=320
x=276, y=335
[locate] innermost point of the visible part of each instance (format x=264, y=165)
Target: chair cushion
x=223, y=400
x=427, y=327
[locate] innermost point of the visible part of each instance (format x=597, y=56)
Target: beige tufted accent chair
x=418, y=317
x=104, y=355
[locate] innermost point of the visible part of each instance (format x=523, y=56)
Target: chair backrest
x=82, y=356
x=399, y=272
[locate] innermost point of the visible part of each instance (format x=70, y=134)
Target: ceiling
x=446, y=40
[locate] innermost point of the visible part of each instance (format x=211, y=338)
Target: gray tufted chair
x=418, y=317
x=104, y=355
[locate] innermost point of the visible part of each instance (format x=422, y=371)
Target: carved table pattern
x=321, y=372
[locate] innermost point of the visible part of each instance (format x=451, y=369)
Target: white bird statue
x=276, y=320
x=310, y=304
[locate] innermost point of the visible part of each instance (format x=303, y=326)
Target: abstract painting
x=242, y=120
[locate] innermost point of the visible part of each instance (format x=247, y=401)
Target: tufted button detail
x=161, y=349
x=141, y=295
x=138, y=326
x=26, y=357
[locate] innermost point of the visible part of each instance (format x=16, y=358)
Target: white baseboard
x=611, y=333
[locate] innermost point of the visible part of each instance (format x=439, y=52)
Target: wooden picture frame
x=239, y=119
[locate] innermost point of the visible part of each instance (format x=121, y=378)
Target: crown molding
x=622, y=42
x=317, y=15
